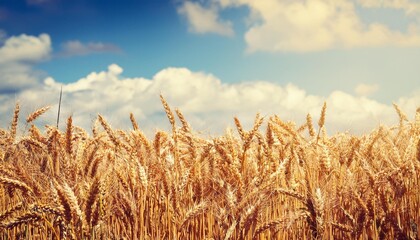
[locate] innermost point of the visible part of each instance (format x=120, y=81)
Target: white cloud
x=363, y=89
x=207, y=103
x=315, y=25
x=25, y=48
x=410, y=102
x=77, y=48
x=205, y=20
x=17, y=56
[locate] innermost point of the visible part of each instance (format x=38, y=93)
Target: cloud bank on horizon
x=208, y=103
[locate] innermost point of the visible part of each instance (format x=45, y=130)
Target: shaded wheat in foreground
x=274, y=181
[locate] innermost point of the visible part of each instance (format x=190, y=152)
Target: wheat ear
x=310, y=125
x=15, y=119
x=196, y=210
x=69, y=135
x=36, y=114
x=133, y=122
x=108, y=130
x=321, y=120
x=168, y=112
x=15, y=183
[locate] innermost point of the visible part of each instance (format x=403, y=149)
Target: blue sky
x=368, y=50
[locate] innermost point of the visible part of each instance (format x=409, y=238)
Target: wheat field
x=274, y=181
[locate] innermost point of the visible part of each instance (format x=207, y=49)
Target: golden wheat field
x=274, y=181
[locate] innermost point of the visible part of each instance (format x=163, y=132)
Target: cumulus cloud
x=77, y=48
x=205, y=20
x=363, y=89
x=18, y=54
x=25, y=48
x=316, y=25
x=208, y=103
